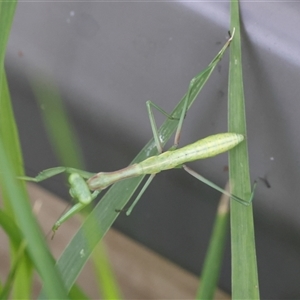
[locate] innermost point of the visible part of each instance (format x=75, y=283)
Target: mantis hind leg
x=214, y=186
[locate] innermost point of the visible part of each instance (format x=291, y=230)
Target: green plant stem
x=244, y=268
x=213, y=259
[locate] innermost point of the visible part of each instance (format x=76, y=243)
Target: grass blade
x=213, y=258
x=57, y=123
x=244, y=268
x=9, y=137
x=36, y=246
x=108, y=288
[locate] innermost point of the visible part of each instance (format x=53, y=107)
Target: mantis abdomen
x=204, y=148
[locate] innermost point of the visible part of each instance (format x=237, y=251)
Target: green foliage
x=213, y=259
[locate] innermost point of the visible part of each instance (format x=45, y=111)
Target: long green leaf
x=9, y=136
x=244, y=268
x=213, y=259
x=108, y=287
x=57, y=123
x=102, y=217
x=36, y=246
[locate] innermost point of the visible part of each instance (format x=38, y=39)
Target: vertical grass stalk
x=244, y=268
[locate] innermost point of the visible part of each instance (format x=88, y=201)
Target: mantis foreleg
x=48, y=173
x=78, y=189
x=72, y=211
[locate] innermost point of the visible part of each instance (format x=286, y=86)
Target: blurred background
x=107, y=59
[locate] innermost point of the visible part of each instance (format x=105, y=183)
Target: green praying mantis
x=85, y=186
